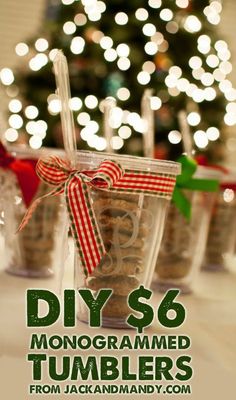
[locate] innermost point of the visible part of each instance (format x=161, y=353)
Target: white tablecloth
x=211, y=324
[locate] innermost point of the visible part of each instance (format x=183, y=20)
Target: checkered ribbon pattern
x=76, y=186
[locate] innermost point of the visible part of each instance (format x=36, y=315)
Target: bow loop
x=53, y=170
x=186, y=181
x=189, y=167
x=108, y=174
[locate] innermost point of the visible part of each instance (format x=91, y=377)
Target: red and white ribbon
x=75, y=185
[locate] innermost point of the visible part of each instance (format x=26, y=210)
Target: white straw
x=68, y=127
x=109, y=103
x=67, y=120
x=186, y=134
x=148, y=117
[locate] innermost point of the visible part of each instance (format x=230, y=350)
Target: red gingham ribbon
x=109, y=176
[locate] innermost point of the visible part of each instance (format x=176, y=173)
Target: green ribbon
x=186, y=181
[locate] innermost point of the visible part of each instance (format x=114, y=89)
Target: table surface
x=210, y=323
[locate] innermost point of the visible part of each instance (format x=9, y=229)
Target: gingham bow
x=76, y=186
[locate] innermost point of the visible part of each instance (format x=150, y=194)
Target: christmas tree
x=118, y=48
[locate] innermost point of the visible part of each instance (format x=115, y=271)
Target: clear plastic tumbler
x=183, y=245
x=131, y=227
x=222, y=233
x=38, y=249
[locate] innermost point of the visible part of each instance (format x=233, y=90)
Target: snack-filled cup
x=130, y=216
x=38, y=248
x=184, y=241
x=222, y=233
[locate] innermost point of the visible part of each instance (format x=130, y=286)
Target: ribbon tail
x=84, y=226
x=35, y=204
x=182, y=203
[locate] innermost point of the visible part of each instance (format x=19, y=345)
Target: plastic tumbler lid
x=92, y=159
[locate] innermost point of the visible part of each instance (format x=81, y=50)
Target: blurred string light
x=166, y=14
x=15, y=106
x=198, y=73
x=143, y=78
x=83, y=118
x=69, y=28
x=94, y=9
x=11, y=134
x=228, y=195
x=21, y=49
x=135, y=120
x=67, y=2
x=155, y=103
x=173, y=92
x=106, y=42
x=141, y=14
x=123, y=63
x=182, y=3
x=75, y=103
x=174, y=137
x=149, y=29
x=194, y=118
x=52, y=54
x=149, y=67
x=31, y=112
x=115, y=119
x=123, y=94
x=77, y=45
x=151, y=48
x=158, y=38
x=213, y=133
x=155, y=3
x=212, y=60
x=41, y=44
x=210, y=94
x=200, y=139
x=207, y=79
x=124, y=132
x=230, y=119
x=91, y=101
x=121, y=18
x=123, y=50
x=195, y=62
x=38, y=128
x=38, y=61
x=80, y=19
x=163, y=46
x=15, y=121
x=192, y=24
x=204, y=44
x=6, y=76
x=172, y=27
x=35, y=142
x=96, y=36
x=213, y=11
x=54, y=105
x=110, y=55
